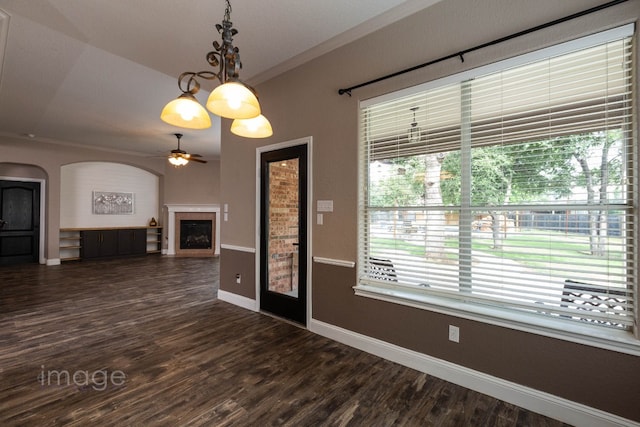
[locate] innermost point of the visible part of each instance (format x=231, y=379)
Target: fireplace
x=195, y=233
x=173, y=226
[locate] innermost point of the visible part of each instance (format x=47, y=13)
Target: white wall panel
x=80, y=180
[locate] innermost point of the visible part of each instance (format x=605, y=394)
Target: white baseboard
x=239, y=300
x=534, y=400
x=53, y=261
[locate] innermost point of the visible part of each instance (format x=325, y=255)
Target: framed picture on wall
x=113, y=203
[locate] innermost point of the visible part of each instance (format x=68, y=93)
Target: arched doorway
x=22, y=212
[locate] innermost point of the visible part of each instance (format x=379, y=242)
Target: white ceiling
x=97, y=73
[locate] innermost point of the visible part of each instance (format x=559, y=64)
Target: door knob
x=2, y=223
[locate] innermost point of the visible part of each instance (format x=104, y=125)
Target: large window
x=508, y=190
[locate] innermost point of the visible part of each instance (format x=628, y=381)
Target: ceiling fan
x=179, y=157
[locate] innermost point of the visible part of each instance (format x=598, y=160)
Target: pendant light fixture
x=414, y=130
x=232, y=99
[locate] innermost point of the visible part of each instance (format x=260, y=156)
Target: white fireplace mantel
x=171, y=223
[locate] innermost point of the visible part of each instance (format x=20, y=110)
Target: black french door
x=283, y=235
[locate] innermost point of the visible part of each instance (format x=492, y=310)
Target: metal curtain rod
x=481, y=46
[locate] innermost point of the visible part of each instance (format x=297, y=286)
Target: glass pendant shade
x=257, y=127
x=234, y=101
x=178, y=161
x=414, y=133
x=186, y=112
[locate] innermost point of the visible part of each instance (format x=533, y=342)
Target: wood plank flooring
x=183, y=358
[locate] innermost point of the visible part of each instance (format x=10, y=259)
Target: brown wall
x=591, y=376
x=304, y=102
x=22, y=171
x=197, y=183
x=234, y=262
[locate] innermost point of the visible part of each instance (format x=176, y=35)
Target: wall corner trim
x=331, y=261
x=239, y=300
x=534, y=400
x=52, y=261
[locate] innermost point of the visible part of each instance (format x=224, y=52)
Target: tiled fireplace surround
x=172, y=210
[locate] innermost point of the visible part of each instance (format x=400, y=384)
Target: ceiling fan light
x=186, y=112
x=178, y=160
x=257, y=127
x=233, y=100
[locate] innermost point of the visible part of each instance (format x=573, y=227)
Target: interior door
x=19, y=222
x=283, y=235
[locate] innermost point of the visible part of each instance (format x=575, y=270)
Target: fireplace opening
x=196, y=234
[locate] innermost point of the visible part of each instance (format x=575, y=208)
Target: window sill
x=605, y=338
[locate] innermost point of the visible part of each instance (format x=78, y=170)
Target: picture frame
x=113, y=203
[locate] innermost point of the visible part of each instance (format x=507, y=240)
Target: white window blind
x=510, y=188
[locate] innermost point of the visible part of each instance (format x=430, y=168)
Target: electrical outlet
x=454, y=333
x=238, y=278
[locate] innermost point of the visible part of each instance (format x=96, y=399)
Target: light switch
x=325, y=206
x=320, y=219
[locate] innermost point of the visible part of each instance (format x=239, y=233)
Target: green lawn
x=398, y=244
x=532, y=247
x=539, y=248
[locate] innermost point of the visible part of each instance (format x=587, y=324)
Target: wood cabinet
x=132, y=241
x=99, y=244
x=78, y=243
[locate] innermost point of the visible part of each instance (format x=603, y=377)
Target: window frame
x=626, y=341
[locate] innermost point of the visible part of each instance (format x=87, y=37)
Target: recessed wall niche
x=79, y=181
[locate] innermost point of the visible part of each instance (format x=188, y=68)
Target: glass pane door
x=283, y=244
x=284, y=213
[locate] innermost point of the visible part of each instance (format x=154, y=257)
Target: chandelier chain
x=227, y=11
x=225, y=57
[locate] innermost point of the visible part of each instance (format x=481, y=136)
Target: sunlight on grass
x=539, y=248
x=380, y=243
x=534, y=248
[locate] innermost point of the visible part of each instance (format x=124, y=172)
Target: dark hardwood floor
x=145, y=342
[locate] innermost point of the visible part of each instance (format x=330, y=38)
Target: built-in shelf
x=70, y=244
x=154, y=240
x=84, y=243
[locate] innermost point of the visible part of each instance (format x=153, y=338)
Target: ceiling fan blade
x=179, y=153
x=197, y=160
